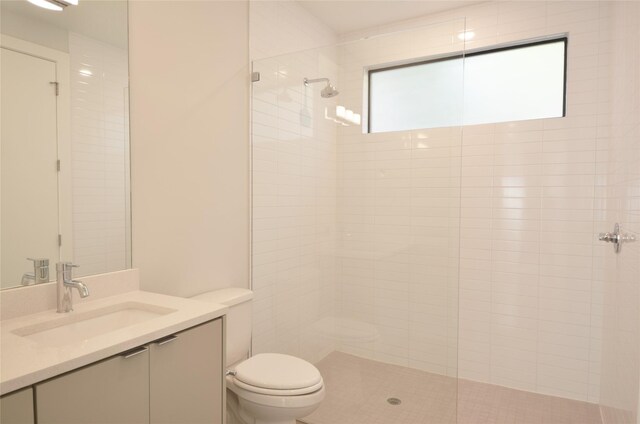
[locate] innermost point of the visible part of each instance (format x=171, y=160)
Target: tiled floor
x=358, y=389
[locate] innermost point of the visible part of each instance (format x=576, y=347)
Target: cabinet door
x=113, y=391
x=187, y=376
x=17, y=407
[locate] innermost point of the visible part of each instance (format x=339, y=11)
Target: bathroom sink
x=78, y=327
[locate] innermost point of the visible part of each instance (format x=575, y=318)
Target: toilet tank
x=238, y=319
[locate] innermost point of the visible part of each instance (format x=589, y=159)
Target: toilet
x=267, y=388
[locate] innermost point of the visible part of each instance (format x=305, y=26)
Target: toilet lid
x=277, y=371
x=235, y=384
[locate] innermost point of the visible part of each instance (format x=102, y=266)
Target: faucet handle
x=66, y=268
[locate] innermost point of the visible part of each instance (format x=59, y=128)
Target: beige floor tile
x=358, y=390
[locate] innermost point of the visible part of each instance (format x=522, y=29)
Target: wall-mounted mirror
x=64, y=154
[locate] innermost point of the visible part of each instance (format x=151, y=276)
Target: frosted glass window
x=425, y=95
x=508, y=84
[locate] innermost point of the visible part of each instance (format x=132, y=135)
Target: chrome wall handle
x=617, y=238
x=134, y=352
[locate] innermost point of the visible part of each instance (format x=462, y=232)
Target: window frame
x=564, y=38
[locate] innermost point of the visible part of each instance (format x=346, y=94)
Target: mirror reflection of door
x=29, y=155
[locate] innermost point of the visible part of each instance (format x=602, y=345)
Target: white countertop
x=24, y=362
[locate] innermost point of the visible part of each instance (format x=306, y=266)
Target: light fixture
x=466, y=35
x=56, y=5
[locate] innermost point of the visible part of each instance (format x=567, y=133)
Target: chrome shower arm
x=308, y=81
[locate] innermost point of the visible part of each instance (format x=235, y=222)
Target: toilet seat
x=278, y=392
x=276, y=401
x=276, y=374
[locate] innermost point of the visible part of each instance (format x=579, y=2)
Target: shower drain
x=394, y=401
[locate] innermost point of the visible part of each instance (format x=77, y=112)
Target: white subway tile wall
x=618, y=200
x=516, y=206
x=293, y=183
x=530, y=294
x=99, y=155
x=398, y=217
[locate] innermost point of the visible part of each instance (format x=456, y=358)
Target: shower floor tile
x=358, y=390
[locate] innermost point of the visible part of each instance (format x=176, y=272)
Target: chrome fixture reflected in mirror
x=64, y=138
x=617, y=238
x=40, y=272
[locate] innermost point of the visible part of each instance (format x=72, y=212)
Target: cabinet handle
x=134, y=352
x=165, y=340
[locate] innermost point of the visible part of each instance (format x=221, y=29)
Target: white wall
x=282, y=27
x=190, y=150
x=530, y=290
x=38, y=32
x=294, y=182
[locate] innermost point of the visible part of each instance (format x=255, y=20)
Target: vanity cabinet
x=176, y=379
x=17, y=407
x=115, y=390
x=186, y=374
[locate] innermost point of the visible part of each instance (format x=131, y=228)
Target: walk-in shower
x=451, y=274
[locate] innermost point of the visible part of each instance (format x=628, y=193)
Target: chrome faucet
x=40, y=272
x=65, y=284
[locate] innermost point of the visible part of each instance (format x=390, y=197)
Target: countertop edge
x=30, y=378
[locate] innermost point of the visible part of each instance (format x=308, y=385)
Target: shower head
x=327, y=92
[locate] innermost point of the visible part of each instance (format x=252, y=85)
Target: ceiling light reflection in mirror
x=55, y=5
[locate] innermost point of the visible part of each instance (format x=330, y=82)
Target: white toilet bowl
x=267, y=388
x=273, y=388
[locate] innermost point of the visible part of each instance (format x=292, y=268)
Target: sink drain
x=394, y=401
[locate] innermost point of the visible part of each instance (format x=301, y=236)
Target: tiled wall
x=618, y=200
x=294, y=183
x=100, y=155
x=530, y=295
x=532, y=197
x=398, y=217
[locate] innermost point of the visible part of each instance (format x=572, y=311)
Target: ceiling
x=106, y=20
x=347, y=16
